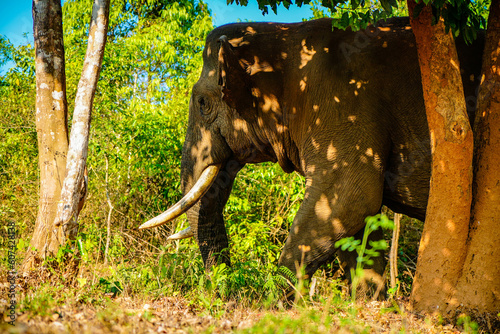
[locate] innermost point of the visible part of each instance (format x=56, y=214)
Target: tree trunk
x=478, y=289
x=79, y=140
x=62, y=198
x=51, y=121
x=442, y=246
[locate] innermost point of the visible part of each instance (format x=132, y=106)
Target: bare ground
x=176, y=315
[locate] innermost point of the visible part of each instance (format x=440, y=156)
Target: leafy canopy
x=460, y=16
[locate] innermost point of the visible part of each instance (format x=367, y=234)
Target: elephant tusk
x=184, y=234
x=199, y=189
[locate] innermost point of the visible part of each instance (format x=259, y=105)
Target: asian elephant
x=344, y=109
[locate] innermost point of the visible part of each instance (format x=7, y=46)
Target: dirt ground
x=175, y=315
x=45, y=305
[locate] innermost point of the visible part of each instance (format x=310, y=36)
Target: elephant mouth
x=199, y=189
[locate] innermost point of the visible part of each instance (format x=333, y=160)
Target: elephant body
x=344, y=109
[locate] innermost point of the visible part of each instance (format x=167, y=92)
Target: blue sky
x=16, y=19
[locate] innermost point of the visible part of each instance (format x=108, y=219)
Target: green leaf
x=355, y=4
x=386, y=5
x=344, y=20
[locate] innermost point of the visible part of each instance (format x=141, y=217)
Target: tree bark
x=51, y=121
x=442, y=246
x=478, y=290
x=78, y=145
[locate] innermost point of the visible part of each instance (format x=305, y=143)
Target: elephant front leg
x=328, y=214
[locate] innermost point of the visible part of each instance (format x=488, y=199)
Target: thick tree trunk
x=79, y=139
x=51, y=121
x=442, y=247
x=478, y=290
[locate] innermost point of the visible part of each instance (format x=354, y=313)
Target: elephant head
x=226, y=130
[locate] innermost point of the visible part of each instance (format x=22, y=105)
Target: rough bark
x=478, y=290
x=78, y=144
x=442, y=246
x=51, y=121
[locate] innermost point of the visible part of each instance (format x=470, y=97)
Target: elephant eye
x=206, y=109
x=203, y=106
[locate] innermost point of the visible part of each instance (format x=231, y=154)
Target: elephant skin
x=344, y=109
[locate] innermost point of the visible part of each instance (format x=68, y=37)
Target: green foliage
x=468, y=325
x=260, y=211
x=42, y=299
x=112, y=287
x=365, y=254
x=139, y=120
x=460, y=16
x=6, y=50
x=18, y=148
x=358, y=14
x=265, y=4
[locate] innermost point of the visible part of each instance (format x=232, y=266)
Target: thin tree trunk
x=51, y=122
x=78, y=146
x=479, y=287
x=393, y=256
x=442, y=246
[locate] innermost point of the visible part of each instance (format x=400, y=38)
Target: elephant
x=342, y=108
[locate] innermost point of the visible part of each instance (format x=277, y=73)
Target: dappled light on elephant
x=342, y=109
x=306, y=54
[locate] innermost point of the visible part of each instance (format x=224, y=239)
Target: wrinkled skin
x=344, y=109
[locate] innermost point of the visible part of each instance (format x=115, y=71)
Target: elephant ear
x=233, y=78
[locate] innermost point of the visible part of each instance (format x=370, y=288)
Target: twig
x=108, y=222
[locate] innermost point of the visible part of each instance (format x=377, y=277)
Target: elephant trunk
x=206, y=216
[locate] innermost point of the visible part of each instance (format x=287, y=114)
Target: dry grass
x=174, y=315
x=51, y=303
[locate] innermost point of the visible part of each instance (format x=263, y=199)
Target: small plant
x=111, y=286
x=468, y=325
x=365, y=254
x=288, y=274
